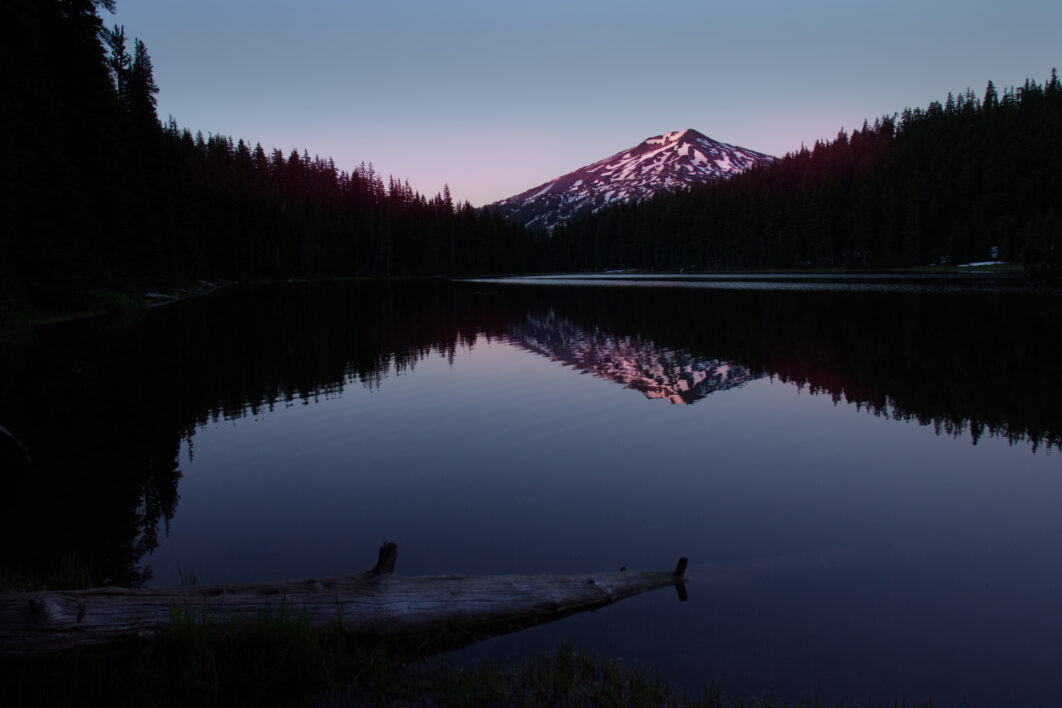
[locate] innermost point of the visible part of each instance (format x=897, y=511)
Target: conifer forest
x=97, y=194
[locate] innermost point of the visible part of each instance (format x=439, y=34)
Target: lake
x=864, y=472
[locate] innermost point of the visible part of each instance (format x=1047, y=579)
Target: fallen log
x=373, y=603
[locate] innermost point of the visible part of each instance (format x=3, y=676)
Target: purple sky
x=494, y=97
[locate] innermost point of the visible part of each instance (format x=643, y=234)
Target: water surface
x=866, y=480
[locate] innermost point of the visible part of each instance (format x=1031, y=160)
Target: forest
x=972, y=179
x=97, y=195
x=99, y=198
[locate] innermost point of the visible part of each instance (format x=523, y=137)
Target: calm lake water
x=865, y=474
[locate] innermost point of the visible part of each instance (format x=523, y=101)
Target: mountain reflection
x=103, y=408
x=674, y=375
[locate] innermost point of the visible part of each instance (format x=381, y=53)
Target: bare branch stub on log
x=385, y=563
x=680, y=579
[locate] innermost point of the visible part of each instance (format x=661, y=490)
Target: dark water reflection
x=847, y=539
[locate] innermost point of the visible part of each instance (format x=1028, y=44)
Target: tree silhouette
x=99, y=196
x=951, y=183
x=142, y=87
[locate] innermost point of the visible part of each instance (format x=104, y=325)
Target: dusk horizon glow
x=493, y=99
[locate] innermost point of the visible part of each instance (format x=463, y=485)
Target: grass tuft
x=186, y=578
x=67, y=574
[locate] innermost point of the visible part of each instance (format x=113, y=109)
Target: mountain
x=663, y=162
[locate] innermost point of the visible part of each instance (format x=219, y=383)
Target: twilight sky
x=494, y=97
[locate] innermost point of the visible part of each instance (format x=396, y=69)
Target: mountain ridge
x=662, y=162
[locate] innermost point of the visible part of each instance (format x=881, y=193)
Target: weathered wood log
x=372, y=603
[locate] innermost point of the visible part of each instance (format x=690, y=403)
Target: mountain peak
x=663, y=162
x=689, y=134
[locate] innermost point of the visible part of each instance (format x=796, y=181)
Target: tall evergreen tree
x=119, y=62
x=143, y=103
x=991, y=100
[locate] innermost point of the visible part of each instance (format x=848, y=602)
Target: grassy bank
x=565, y=677
x=283, y=662
x=201, y=662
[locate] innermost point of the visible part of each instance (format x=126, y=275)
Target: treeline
x=96, y=194
x=244, y=213
x=972, y=179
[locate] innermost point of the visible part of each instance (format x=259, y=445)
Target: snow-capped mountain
x=663, y=162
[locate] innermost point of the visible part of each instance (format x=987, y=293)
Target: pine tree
x=142, y=87
x=119, y=63
x=991, y=101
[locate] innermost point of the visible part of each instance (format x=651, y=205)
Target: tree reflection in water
x=103, y=408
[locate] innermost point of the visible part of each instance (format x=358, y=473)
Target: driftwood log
x=372, y=603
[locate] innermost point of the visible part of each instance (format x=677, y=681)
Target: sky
x=493, y=97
